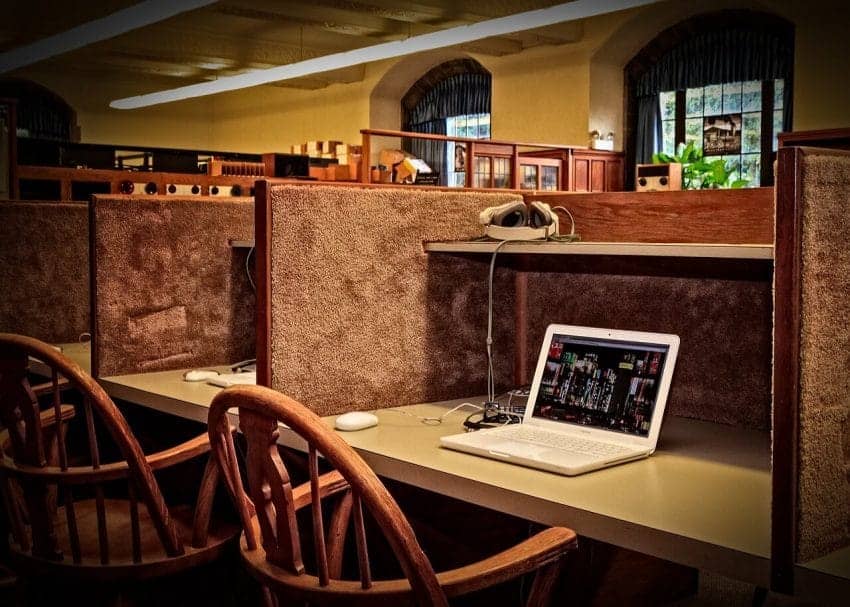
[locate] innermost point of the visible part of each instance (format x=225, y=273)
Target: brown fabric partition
x=359, y=317
x=721, y=310
x=44, y=270
x=813, y=348
x=168, y=289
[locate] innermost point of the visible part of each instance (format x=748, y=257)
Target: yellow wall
x=554, y=94
x=821, y=64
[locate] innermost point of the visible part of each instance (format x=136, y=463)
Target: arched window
x=451, y=99
x=720, y=81
x=41, y=114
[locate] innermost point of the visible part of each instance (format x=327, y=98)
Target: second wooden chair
x=351, y=494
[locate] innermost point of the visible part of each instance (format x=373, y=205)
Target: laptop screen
x=601, y=383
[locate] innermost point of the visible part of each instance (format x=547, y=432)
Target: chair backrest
x=351, y=487
x=37, y=471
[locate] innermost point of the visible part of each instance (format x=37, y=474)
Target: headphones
x=518, y=221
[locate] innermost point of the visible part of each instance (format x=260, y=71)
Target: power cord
x=248, y=269
x=435, y=420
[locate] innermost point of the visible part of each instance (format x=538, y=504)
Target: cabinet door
x=614, y=175
x=549, y=177
x=581, y=175
x=597, y=175
x=528, y=177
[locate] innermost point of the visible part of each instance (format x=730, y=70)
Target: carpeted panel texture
x=721, y=312
x=361, y=317
x=171, y=292
x=824, y=431
x=44, y=270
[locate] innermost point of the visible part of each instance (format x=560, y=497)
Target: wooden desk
x=79, y=352
x=702, y=500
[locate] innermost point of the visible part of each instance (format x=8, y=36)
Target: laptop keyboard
x=575, y=444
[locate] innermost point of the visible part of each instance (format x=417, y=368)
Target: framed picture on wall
x=460, y=157
x=721, y=134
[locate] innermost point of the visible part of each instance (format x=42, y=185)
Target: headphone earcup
x=539, y=215
x=508, y=215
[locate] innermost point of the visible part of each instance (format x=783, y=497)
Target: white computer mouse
x=199, y=375
x=355, y=420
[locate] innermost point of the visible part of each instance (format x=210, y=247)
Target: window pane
x=751, y=169
x=549, y=178
x=751, y=98
x=451, y=128
x=501, y=172
x=777, y=127
x=668, y=104
x=733, y=165
x=693, y=102
x=778, y=93
x=693, y=131
x=731, y=97
x=668, y=145
x=713, y=99
x=529, y=177
x=751, y=139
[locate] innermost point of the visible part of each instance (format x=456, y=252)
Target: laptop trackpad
x=522, y=449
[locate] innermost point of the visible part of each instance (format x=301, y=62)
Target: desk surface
x=79, y=352
x=702, y=500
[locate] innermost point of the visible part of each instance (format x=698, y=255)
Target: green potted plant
x=699, y=173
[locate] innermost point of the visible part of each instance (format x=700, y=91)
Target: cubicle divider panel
x=357, y=315
x=721, y=310
x=44, y=270
x=741, y=216
x=819, y=206
x=168, y=289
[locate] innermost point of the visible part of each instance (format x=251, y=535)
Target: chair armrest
x=525, y=557
x=179, y=453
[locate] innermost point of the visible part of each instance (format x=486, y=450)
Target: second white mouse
x=355, y=420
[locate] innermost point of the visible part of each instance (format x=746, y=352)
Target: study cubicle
x=44, y=269
x=376, y=298
x=379, y=306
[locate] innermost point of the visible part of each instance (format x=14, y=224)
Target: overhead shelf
x=641, y=249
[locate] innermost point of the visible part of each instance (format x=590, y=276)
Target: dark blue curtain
x=456, y=95
x=713, y=57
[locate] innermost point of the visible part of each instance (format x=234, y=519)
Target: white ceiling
x=232, y=36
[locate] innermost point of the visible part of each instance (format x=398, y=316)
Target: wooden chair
x=81, y=520
x=272, y=546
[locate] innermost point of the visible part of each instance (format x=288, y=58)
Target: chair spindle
x=318, y=522
x=135, y=529
x=362, y=548
x=73, y=530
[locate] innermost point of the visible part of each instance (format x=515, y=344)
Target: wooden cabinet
x=492, y=166
x=585, y=170
x=539, y=174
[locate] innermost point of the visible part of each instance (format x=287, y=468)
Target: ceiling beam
x=578, y=9
x=119, y=22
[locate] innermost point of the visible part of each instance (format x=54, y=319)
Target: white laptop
x=597, y=400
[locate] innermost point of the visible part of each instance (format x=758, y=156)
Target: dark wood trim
x=95, y=354
x=786, y=368
x=823, y=138
x=521, y=323
x=262, y=265
x=11, y=113
x=767, y=91
x=681, y=104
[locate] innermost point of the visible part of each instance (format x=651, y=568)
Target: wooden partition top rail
x=391, y=133
x=741, y=216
